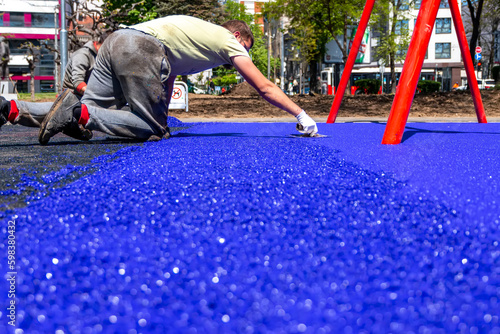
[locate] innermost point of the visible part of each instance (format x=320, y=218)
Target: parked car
x=197, y=90
x=481, y=83
x=486, y=83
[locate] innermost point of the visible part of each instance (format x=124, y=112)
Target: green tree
x=392, y=24
x=323, y=17
x=258, y=52
x=208, y=10
x=129, y=12
x=313, y=22
x=236, y=11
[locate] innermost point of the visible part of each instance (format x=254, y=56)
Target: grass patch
x=39, y=97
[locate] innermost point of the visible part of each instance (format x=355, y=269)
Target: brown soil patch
x=244, y=102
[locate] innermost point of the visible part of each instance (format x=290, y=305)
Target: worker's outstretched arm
x=272, y=93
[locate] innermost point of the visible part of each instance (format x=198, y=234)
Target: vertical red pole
x=365, y=17
x=411, y=72
x=469, y=66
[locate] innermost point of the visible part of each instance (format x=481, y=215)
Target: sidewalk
x=286, y=119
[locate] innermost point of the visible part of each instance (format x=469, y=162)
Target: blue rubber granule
x=175, y=122
x=229, y=232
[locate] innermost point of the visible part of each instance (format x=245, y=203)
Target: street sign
x=179, y=98
x=479, y=49
x=478, y=56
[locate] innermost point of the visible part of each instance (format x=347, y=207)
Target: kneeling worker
x=129, y=90
x=78, y=70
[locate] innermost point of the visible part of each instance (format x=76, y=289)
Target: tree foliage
x=236, y=11
x=132, y=11
x=322, y=19
x=208, y=10
x=392, y=25
x=129, y=12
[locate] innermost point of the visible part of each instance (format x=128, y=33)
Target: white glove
x=306, y=124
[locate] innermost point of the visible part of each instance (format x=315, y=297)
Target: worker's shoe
x=158, y=138
x=78, y=132
x=4, y=110
x=63, y=117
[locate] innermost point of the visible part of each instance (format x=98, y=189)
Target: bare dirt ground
x=244, y=102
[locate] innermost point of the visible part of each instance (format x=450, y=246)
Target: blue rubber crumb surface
x=237, y=228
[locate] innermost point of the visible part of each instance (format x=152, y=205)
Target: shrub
x=428, y=86
x=370, y=86
x=225, y=80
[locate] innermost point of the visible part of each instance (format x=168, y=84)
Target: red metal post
x=411, y=72
x=365, y=17
x=469, y=66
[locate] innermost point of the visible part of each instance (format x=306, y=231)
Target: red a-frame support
x=411, y=68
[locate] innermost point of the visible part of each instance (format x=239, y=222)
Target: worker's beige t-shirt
x=193, y=45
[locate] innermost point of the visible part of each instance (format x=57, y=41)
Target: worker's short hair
x=240, y=26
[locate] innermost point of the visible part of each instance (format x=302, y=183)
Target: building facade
x=34, y=21
x=443, y=60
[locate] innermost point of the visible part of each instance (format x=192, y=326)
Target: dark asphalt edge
x=37, y=183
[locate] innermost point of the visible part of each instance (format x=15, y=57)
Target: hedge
x=370, y=86
x=428, y=86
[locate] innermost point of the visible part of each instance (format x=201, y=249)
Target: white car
x=486, y=83
x=481, y=83
x=197, y=90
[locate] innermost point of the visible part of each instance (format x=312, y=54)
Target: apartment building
x=443, y=53
x=32, y=21
x=443, y=60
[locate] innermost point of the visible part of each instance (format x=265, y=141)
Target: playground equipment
x=413, y=65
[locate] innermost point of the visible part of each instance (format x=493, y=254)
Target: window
x=46, y=62
x=443, y=50
x=403, y=4
x=47, y=86
x=42, y=20
x=444, y=4
x=401, y=27
x=443, y=26
x=15, y=46
x=16, y=20
x=401, y=53
x=19, y=70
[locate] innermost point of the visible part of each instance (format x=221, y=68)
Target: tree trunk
x=491, y=62
x=300, y=79
x=345, y=55
x=314, y=77
x=32, y=83
x=475, y=16
x=393, y=73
